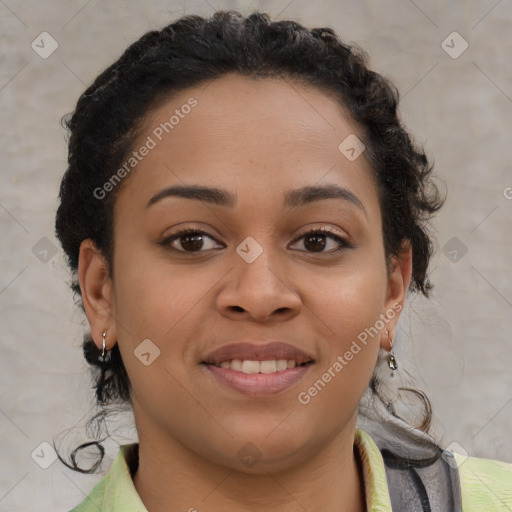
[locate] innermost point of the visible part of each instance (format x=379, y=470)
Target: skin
x=256, y=139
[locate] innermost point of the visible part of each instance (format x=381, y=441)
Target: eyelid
x=322, y=229
x=187, y=227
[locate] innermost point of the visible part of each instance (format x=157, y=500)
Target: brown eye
x=191, y=241
x=317, y=240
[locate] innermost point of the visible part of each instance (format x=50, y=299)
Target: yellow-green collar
x=116, y=492
x=376, y=487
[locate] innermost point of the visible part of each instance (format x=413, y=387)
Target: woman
x=244, y=214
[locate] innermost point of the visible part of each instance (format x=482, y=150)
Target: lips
x=257, y=351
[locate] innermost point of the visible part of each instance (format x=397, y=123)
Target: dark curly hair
x=110, y=113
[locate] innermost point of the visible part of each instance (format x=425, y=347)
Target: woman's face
x=270, y=150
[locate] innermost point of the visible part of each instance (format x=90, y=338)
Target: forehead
x=256, y=136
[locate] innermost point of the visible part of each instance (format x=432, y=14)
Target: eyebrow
x=293, y=198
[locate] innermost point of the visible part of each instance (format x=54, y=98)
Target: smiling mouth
x=267, y=366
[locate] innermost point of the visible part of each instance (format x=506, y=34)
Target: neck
x=171, y=477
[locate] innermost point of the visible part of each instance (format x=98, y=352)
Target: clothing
x=486, y=485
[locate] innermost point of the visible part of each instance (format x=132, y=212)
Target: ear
x=97, y=293
x=398, y=284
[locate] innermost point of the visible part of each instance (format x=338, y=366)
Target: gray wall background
x=457, y=346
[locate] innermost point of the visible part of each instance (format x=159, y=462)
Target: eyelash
x=166, y=242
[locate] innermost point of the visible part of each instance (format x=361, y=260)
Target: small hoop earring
x=391, y=358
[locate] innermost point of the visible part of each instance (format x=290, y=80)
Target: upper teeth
x=247, y=366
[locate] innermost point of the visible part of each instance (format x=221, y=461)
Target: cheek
x=159, y=301
x=350, y=297
x=145, y=283
x=347, y=308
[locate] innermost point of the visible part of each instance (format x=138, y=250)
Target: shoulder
x=94, y=500
x=115, y=492
x=486, y=484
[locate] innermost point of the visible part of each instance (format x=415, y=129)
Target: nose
x=258, y=291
